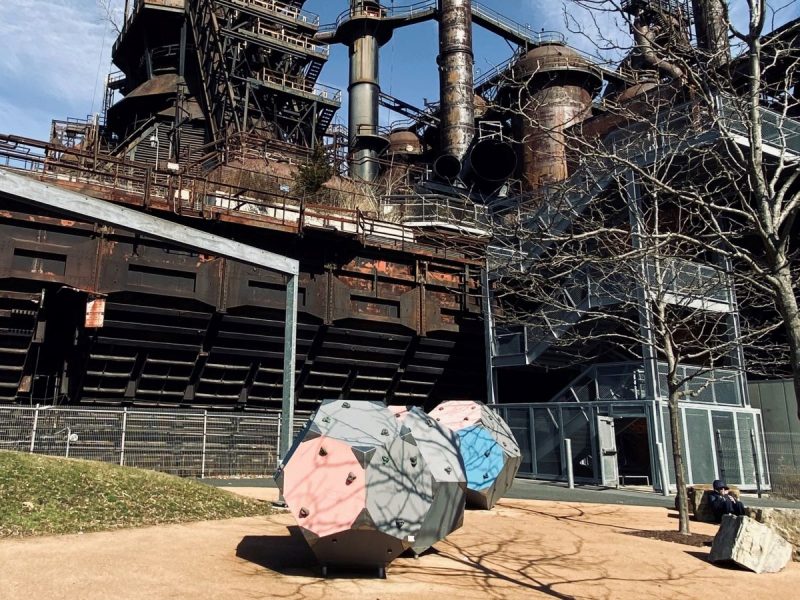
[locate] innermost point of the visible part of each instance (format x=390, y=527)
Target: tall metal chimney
x=456, y=84
x=364, y=36
x=712, y=31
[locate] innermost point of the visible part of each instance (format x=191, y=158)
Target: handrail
x=307, y=44
x=273, y=205
x=298, y=14
x=522, y=32
x=397, y=12
x=322, y=91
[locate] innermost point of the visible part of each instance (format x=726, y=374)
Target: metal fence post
x=277, y=440
x=122, y=441
x=662, y=468
x=756, y=466
x=568, y=453
x=720, y=456
x=203, y=459
x=33, y=431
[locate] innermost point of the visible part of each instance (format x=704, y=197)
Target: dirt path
x=522, y=549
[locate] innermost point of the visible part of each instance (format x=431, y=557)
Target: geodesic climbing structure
x=361, y=488
x=489, y=451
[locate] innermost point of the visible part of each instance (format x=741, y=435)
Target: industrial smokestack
x=364, y=44
x=456, y=84
x=712, y=31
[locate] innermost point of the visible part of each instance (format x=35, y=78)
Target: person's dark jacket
x=724, y=504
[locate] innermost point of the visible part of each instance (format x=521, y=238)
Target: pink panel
x=399, y=412
x=325, y=483
x=457, y=414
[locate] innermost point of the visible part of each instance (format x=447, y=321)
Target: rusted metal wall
x=182, y=329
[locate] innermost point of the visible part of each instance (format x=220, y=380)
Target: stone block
x=750, y=545
x=785, y=521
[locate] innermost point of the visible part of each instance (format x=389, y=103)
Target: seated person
x=723, y=503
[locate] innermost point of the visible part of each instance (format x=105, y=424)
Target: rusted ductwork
x=712, y=30
x=456, y=85
x=646, y=34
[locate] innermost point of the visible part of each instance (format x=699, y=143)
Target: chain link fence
x=783, y=450
x=187, y=443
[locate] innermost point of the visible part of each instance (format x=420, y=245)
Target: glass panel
x=547, y=440
x=700, y=387
x=617, y=383
x=726, y=445
x=726, y=390
x=518, y=421
x=509, y=341
x=662, y=381
x=577, y=429
x=701, y=469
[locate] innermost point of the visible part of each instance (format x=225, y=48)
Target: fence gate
x=607, y=439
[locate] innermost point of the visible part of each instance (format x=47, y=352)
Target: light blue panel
x=483, y=457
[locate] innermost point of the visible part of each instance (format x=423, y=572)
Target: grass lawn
x=40, y=495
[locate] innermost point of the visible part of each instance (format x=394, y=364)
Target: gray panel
x=446, y=514
x=437, y=444
x=701, y=450
x=399, y=489
x=357, y=549
x=358, y=423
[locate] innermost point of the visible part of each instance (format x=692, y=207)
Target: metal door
x=607, y=439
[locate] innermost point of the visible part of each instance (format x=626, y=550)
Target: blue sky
x=54, y=54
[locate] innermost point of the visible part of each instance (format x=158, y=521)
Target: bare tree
x=740, y=103
x=665, y=206
x=115, y=12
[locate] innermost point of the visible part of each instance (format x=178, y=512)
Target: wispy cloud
x=52, y=52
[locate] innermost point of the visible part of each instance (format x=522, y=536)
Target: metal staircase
x=19, y=314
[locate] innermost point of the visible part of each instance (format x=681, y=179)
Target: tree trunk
x=677, y=459
x=787, y=304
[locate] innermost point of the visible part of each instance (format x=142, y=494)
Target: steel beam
x=30, y=191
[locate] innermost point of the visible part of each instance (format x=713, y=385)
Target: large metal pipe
x=456, y=84
x=712, y=31
x=364, y=90
x=645, y=37
x=489, y=164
